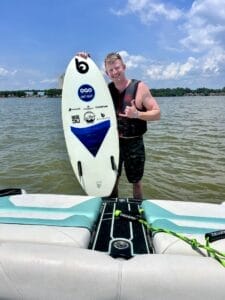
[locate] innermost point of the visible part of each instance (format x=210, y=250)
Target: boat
x=82, y=247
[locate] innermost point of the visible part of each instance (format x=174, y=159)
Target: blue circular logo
x=86, y=92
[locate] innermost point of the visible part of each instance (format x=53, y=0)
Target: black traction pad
x=112, y=229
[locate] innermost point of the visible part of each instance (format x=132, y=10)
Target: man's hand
x=130, y=111
x=83, y=54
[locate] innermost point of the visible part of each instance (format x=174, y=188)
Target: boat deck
x=117, y=236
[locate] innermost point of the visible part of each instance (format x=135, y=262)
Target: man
x=134, y=106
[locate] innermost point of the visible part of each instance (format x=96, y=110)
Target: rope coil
x=212, y=252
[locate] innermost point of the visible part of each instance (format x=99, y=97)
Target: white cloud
x=132, y=61
x=211, y=8
x=214, y=62
x=49, y=80
x=160, y=71
x=172, y=70
x=204, y=34
x=24, y=79
x=188, y=66
x=4, y=72
x=200, y=41
x=205, y=25
x=149, y=10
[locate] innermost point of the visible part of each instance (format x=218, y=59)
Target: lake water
x=185, y=150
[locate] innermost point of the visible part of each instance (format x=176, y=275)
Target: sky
x=165, y=43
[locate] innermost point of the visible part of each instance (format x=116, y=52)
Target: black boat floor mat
x=117, y=236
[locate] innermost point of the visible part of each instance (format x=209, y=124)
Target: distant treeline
x=32, y=93
x=167, y=92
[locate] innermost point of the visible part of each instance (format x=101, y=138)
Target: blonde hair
x=111, y=57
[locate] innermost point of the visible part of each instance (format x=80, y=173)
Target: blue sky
x=166, y=43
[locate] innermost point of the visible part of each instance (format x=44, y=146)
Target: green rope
x=219, y=256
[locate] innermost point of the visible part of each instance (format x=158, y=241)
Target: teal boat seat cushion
x=160, y=217
x=83, y=214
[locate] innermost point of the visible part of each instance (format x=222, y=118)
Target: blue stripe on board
x=93, y=136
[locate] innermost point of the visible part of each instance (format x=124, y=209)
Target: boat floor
x=117, y=236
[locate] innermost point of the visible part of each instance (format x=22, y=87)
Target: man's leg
x=115, y=191
x=137, y=190
x=134, y=165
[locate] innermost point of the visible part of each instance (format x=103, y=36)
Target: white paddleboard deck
x=90, y=127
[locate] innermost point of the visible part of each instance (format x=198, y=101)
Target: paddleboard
x=90, y=127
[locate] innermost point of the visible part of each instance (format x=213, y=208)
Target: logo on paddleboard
x=98, y=184
x=89, y=117
x=81, y=66
x=86, y=92
x=75, y=119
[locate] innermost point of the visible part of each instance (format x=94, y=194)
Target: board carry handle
x=113, y=164
x=79, y=166
x=215, y=235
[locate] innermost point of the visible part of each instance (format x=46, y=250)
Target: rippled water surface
x=185, y=149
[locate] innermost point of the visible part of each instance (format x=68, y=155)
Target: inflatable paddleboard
x=90, y=127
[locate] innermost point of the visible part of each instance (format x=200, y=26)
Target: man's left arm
x=145, y=99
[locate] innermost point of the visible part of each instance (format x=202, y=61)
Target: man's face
x=115, y=70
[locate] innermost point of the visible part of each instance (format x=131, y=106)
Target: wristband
x=136, y=114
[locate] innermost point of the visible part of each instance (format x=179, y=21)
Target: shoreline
x=161, y=92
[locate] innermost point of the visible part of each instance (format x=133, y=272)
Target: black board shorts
x=132, y=156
